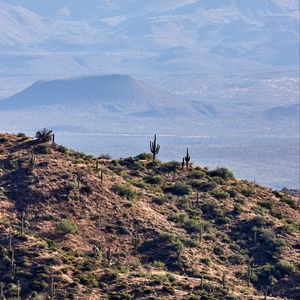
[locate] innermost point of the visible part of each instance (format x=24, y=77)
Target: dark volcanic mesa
x=111, y=93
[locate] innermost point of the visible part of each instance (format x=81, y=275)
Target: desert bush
x=67, y=226
x=232, y=192
x=87, y=189
x=124, y=191
x=195, y=226
x=144, y=156
x=183, y=203
x=165, y=247
x=62, y=149
x=204, y=186
x=206, y=261
x=44, y=135
x=266, y=204
x=248, y=192
x=211, y=210
x=171, y=166
x=236, y=259
x=221, y=172
x=154, y=179
x=110, y=276
x=120, y=296
x=42, y=149
x=220, y=194
x=179, y=189
x=160, y=200
x=104, y=156
x=277, y=213
x=22, y=136
x=178, y=218
x=197, y=174
x=289, y=201
x=283, y=268
x=131, y=164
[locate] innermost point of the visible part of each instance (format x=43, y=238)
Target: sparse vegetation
x=80, y=236
x=124, y=191
x=67, y=226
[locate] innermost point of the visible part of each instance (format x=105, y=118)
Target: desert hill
x=73, y=226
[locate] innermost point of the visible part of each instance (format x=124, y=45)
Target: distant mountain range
x=81, y=37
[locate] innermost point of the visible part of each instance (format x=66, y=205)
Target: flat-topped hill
x=73, y=226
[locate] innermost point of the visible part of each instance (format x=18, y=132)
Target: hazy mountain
x=63, y=37
x=110, y=93
x=289, y=113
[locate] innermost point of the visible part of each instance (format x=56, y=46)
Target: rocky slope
x=72, y=228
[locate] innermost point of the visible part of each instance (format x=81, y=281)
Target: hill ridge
x=135, y=228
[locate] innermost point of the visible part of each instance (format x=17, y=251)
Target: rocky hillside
x=76, y=227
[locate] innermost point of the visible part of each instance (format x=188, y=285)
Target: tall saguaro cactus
x=154, y=147
x=187, y=158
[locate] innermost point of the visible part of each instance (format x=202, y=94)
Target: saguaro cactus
x=52, y=289
x=135, y=242
x=18, y=290
x=187, y=158
x=101, y=176
x=249, y=273
x=22, y=222
x=154, y=147
x=32, y=160
x=108, y=256
x=2, y=297
x=224, y=281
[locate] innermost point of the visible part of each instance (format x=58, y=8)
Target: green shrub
x=44, y=135
x=120, y=296
x=154, y=180
x=205, y=261
x=195, y=226
x=248, y=192
x=62, y=149
x=236, y=259
x=22, y=136
x=219, y=194
x=124, y=191
x=165, y=247
x=266, y=204
x=144, y=156
x=211, y=210
x=110, y=276
x=268, y=247
x=160, y=200
x=86, y=190
x=233, y=193
x=179, y=189
x=283, y=268
x=203, y=186
x=289, y=201
x=221, y=172
x=171, y=166
x=218, y=250
x=42, y=149
x=158, y=264
x=197, y=174
x=180, y=218
x=67, y=226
